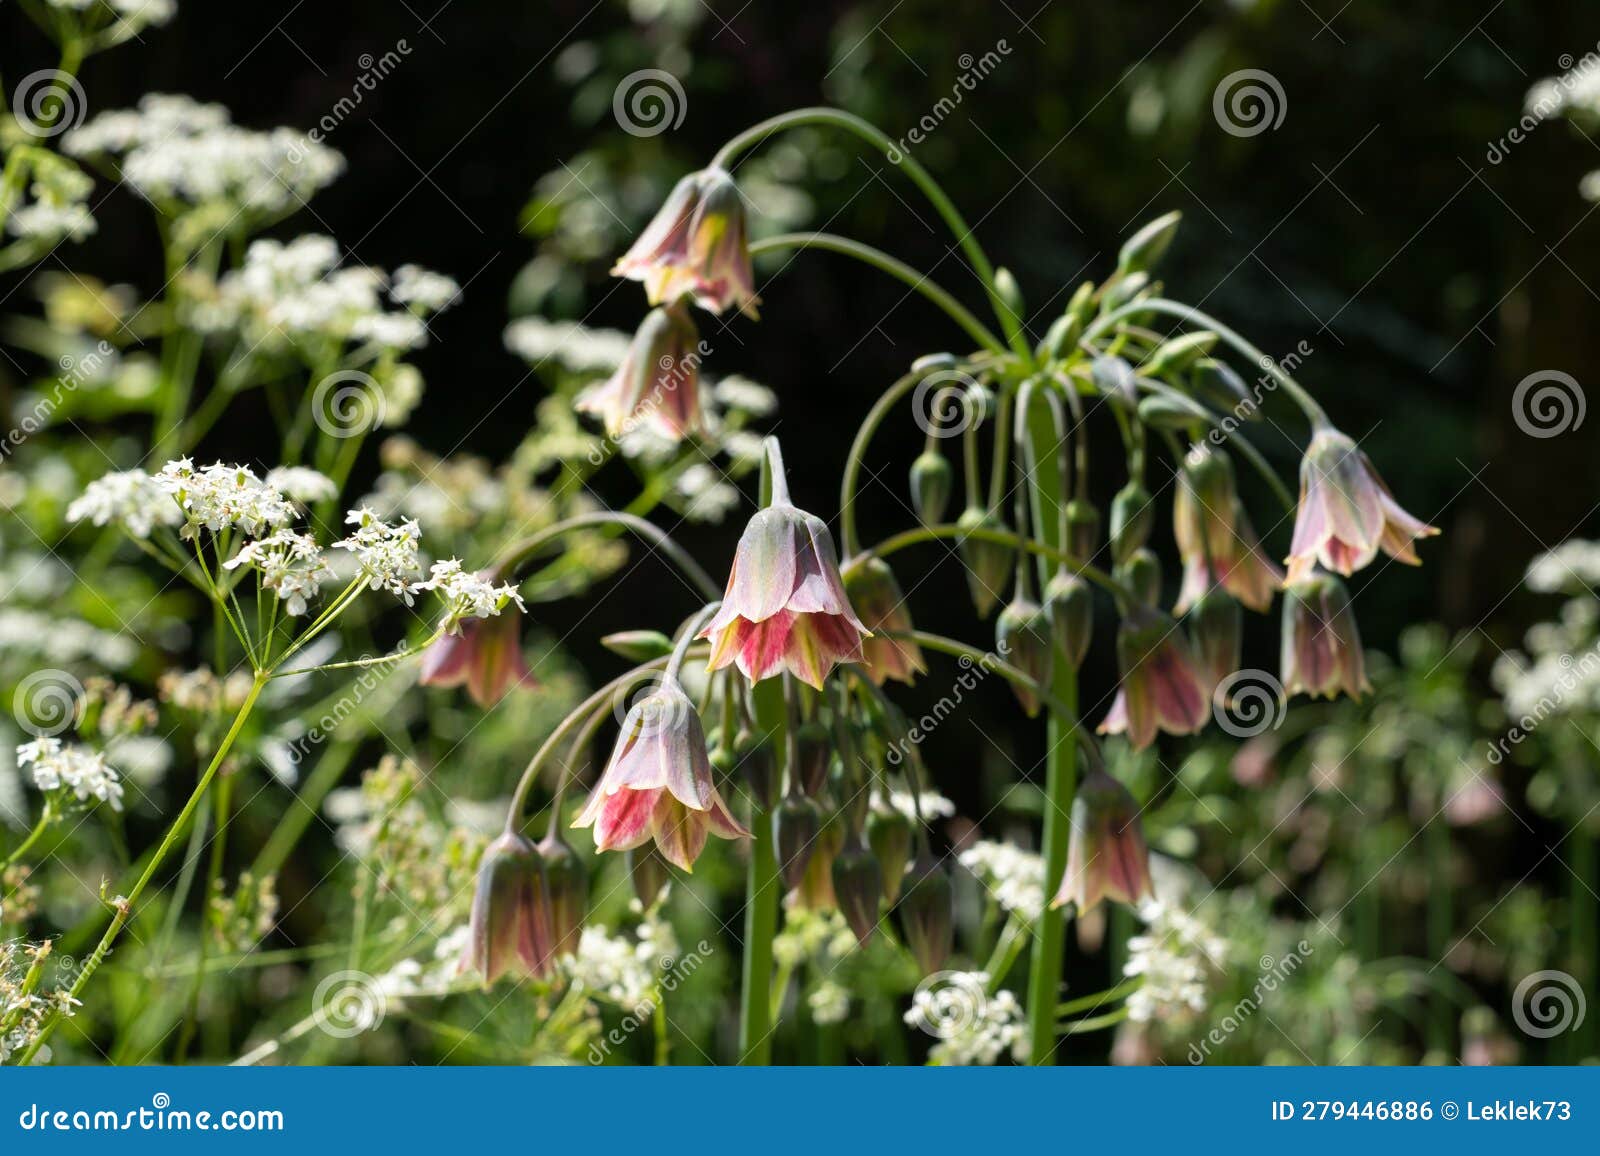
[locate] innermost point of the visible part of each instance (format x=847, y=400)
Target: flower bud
x=889, y=836
x=757, y=763
x=858, y=888
x=1071, y=604
x=1061, y=339
x=815, y=892
x=932, y=480
x=799, y=820
x=1141, y=574
x=1216, y=626
x=1023, y=638
x=1083, y=529
x=1149, y=244
x=1133, y=512
x=648, y=873
x=988, y=563
x=878, y=601
x=638, y=645
x=1115, y=379
x=1179, y=353
x=1010, y=293
x=1119, y=293
x=927, y=913
x=567, y=889
x=508, y=927
x=1106, y=856
x=1321, y=653
x=815, y=745
x=1215, y=383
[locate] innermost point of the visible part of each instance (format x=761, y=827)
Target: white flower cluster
x=223, y=497
x=302, y=483
x=620, y=971
x=973, y=1028
x=291, y=565
x=438, y=976
x=579, y=348
x=144, y=13
x=829, y=1002
x=175, y=149
x=1560, y=671
x=74, y=768
x=23, y=1007
x=129, y=499
x=299, y=290
x=1175, y=955
x=1012, y=876
x=389, y=555
x=57, y=210
x=469, y=595
x=932, y=804
x=1572, y=567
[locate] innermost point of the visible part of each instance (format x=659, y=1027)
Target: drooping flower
x=876, y=597
x=858, y=889
x=659, y=784
x=1346, y=513
x=1215, y=539
x=1024, y=638
x=1160, y=689
x=510, y=923
x=696, y=246
x=927, y=913
x=785, y=606
x=1215, y=629
x=485, y=656
x=1106, y=856
x=1321, y=650
x=657, y=386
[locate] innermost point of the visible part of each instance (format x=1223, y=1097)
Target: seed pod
x=799, y=820
x=889, y=836
x=1146, y=247
x=988, y=563
x=1133, y=512
x=567, y=888
x=1070, y=602
x=648, y=873
x=1142, y=575
x=1023, y=638
x=927, y=913
x=857, y=889
x=932, y=480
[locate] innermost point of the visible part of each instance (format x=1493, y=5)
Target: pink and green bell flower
x=1106, y=857
x=875, y=595
x=785, y=607
x=658, y=383
x=1321, y=645
x=1161, y=689
x=484, y=655
x=696, y=247
x=510, y=929
x=1215, y=540
x=1346, y=513
x=659, y=784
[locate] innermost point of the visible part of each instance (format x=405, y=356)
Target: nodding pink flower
x=659, y=784
x=1346, y=513
x=875, y=596
x=696, y=246
x=1321, y=649
x=510, y=924
x=1215, y=539
x=485, y=656
x=785, y=607
x=1160, y=687
x=658, y=382
x=1106, y=857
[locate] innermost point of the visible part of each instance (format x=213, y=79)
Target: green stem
x=763, y=890
x=905, y=538
x=46, y=817
x=858, y=452
x=124, y=905
x=518, y=554
x=835, y=118
x=878, y=259
x=1095, y=1000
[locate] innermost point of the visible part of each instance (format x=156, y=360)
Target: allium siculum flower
x=485, y=656
x=1215, y=539
x=510, y=927
x=1321, y=653
x=1024, y=638
x=658, y=382
x=876, y=597
x=1106, y=856
x=1346, y=513
x=659, y=784
x=1160, y=689
x=785, y=607
x=695, y=246
x=1215, y=628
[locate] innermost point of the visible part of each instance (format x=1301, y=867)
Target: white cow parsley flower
x=129, y=499
x=221, y=497
x=423, y=289
x=1014, y=877
x=291, y=566
x=973, y=1027
x=469, y=595
x=76, y=768
x=302, y=483
x=388, y=554
x=1175, y=955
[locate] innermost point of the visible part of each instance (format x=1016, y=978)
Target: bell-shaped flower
x=876, y=597
x=658, y=383
x=659, y=784
x=1106, y=857
x=785, y=607
x=484, y=655
x=510, y=929
x=1160, y=687
x=1346, y=513
x=696, y=246
x=1216, y=542
x=1321, y=645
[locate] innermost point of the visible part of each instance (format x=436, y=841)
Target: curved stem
x=46, y=817
x=906, y=538
x=1215, y=420
x=878, y=259
x=836, y=118
x=516, y=555
x=858, y=452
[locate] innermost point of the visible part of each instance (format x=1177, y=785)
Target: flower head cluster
x=389, y=555
x=469, y=595
x=1014, y=877
x=1175, y=956
x=225, y=497
x=622, y=971
x=291, y=565
x=302, y=483
x=129, y=499
x=57, y=208
x=973, y=1028
x=77, y=769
